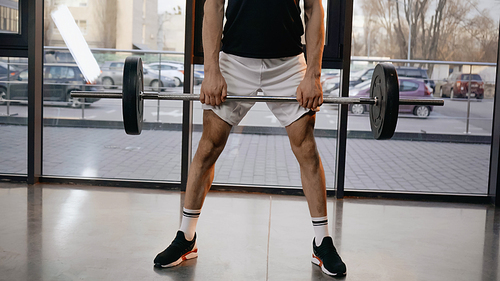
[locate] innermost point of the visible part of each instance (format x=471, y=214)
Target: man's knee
x=215, y=134
x=306, y=151
x=210, y=146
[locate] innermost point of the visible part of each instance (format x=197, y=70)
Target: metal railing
x=377, y=60
x=150, y=56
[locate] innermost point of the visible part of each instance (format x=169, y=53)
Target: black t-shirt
x=263, y=28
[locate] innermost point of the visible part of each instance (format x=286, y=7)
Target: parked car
x=360, y=76
x=112, y=76
x=58, y=82
x=352, y=90
x=7, y=71
x=57, y=56
x=457, y=86
x=408, y=89
x=417, y=73
x=403, y=71
x=330, y=82
x=175, y=70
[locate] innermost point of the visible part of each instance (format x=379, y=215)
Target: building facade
x=9, y=16
x=118, y=24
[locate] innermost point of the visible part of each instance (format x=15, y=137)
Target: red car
x=408, y=89
x=457, y=86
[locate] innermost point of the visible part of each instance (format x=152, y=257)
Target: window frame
x=335, y=28
x=16, y=45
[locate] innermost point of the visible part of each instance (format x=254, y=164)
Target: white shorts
x=272, y=77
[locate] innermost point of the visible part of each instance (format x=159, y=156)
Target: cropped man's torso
x=263, y=28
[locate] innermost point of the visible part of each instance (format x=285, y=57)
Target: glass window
x=9, y=16
x=118, y=65
x=70, y=74
x=71, y=3
x=414, y=73
x=101, y=149
x=82, y=24
x=475, y=77
x=13, y=121
x=55, y=72
x=64, y=57
x=407, y=86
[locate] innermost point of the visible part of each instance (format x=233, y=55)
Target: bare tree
x=430, y=46
x=379, y=17
x=440, y=30
x=356, y=46
x=414, y=12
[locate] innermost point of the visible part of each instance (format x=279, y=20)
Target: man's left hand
x=310, y=93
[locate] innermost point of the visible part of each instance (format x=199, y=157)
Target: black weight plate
x=132, y=103
x=385, y=88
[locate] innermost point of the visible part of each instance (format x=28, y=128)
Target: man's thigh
x=215, y=129
x=302, y=130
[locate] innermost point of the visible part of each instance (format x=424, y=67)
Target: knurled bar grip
x=189, y=97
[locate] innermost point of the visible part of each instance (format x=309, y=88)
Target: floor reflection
x=183, y=272
x=117, y=233
x=34, y=241
x=337, y=223
x=491, y=245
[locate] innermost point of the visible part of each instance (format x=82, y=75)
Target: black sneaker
x=179, y=250
x=326, y=257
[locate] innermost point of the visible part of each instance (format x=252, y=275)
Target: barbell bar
x=383, y=101
x=190, y=97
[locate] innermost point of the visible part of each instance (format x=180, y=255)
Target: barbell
x=383, y=101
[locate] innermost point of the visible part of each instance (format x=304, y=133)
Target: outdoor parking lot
x=449, y=119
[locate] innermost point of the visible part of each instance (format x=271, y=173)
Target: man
x=261, y=52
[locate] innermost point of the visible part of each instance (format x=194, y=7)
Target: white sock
x=189, y=221
x=320, y=225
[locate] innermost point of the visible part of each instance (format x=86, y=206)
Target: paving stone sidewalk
x=252, y=159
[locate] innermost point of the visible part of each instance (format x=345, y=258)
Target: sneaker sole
x=317, y=261
x=187, y=256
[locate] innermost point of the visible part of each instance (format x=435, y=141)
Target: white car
x=174, y=70
x=353, y=91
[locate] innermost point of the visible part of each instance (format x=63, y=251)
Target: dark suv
x=58, y=82
x=457, y=86
x=403, y=71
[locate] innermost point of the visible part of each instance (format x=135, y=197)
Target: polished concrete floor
x=68, y=232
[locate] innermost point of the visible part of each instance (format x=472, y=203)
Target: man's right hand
x=213, y=89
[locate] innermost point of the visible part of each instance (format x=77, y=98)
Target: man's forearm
x=212, y=33
x=315, y=36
